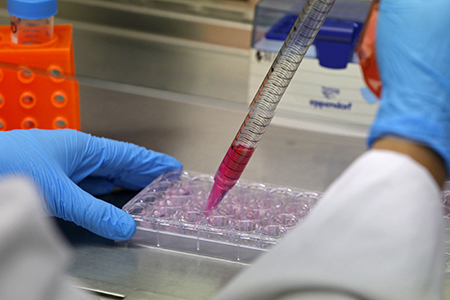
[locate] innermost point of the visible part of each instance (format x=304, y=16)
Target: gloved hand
x=59, y=161
x=413, y=55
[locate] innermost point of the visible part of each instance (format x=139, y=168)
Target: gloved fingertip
x=108, y=221
x=177, y=164
x=125, y=228
x=170, y=162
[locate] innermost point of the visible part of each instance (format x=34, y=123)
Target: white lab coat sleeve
x=33, y=256
x=377, y=234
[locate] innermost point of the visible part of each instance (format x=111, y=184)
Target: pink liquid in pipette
x=228, y=173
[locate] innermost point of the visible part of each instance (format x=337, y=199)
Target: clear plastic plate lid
x=170, y=212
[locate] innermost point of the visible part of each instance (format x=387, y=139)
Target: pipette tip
x=216, y=195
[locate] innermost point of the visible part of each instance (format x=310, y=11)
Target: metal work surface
x=149, y=273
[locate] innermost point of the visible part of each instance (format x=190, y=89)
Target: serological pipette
x=262, y=108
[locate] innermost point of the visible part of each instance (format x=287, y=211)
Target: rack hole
x=27, y=100
x=56, y=73
x=60, y=98
x=28, y=124
x=60, y=122
x=25, y=75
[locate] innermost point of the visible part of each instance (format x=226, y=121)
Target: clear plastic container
x=32, y=21
x=251, y=218
x=30, y=32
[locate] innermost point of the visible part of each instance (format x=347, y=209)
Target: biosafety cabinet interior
x=177, y=76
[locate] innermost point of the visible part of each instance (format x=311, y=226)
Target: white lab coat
x=33, y=256
x=377, y=234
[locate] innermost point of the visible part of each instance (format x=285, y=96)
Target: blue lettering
x=330, y=92
x=329, y=104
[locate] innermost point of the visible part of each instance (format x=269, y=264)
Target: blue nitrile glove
x=413, y=54
x=59, y=161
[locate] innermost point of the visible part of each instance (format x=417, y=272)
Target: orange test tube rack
x=38, y=88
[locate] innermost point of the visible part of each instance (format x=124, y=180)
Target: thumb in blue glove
x=413, y=54
x=60, y=161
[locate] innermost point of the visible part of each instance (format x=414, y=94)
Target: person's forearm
x=425, y=156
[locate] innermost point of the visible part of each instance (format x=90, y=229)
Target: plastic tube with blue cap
x=31, y=21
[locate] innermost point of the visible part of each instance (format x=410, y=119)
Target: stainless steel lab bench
x=172, y=76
